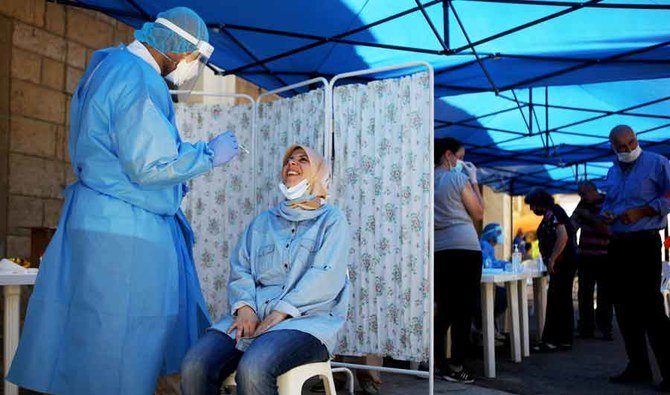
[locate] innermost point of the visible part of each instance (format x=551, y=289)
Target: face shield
x=189, y=69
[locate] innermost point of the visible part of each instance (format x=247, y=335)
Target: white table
x=11, y=284
x=515, y=283
x=540, y=282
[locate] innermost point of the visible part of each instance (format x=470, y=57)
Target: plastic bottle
x=516, y=260
x=487, y=263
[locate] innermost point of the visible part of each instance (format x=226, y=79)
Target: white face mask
x=296, y=191
x=185, y=71
x=629, y=157
x=500, y=239
x=458, y=167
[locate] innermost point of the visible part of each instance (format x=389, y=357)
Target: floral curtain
x=382, y=177
x=220, y=204
x=281, y=123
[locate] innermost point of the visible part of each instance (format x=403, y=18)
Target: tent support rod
x=524, y=26
x=445, y=22
x=464, y=121
x=609, y=153
x=583, y=109
x=252, y=56
x=586, y=120
x=583, y=65
x=432, y=26
x=546, y=121
x=480, y=127
x=518, y=105
x=472, y=47
x=282, y=33
x=530, y=110
x=325, y=40
x=574, y=4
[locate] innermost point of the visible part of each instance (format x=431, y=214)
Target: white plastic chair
x=665, y=287
x=291, y=382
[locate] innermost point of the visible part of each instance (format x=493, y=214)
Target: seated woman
x=288, y=289
x=492, y=235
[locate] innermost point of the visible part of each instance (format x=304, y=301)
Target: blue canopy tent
x=532, y=87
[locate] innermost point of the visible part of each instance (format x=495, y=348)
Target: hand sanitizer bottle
x=516, y=260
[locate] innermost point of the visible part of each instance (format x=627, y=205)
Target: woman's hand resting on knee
x=271, y=320
x=245, y=322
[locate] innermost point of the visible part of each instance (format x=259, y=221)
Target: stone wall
x=48, y=46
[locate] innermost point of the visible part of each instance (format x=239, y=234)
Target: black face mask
x=539, y=212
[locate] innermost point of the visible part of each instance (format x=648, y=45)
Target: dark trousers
x=559, y=323
x=594, y=270
x=458, y=274
x=636, y=269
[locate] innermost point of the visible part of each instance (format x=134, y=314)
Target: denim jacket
x=294, y=261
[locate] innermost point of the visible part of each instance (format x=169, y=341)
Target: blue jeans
x=214, y=357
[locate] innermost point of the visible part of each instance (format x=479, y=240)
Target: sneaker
x=544, y=347
x=462, y=376
x=630, y=376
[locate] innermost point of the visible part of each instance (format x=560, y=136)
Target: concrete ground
x=583, y=370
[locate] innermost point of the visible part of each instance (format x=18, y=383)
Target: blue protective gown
x=117, y=301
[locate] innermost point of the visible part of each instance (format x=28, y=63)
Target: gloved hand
x=224, y=147
x=471, y=171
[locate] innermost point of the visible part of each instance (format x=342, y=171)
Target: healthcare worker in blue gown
x=117, y=301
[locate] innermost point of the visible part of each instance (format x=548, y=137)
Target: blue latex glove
x=224, y=147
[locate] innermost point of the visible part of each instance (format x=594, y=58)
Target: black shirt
x=546, y=233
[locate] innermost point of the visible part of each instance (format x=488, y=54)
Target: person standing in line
x=458, y=256
x=636, y=206
x=558, y=248
x=592, y=263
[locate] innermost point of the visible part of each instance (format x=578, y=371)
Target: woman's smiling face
x=296, y=168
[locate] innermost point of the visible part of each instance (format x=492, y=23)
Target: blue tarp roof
x=604, y=63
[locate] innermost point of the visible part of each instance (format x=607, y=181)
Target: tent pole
x=522, y=27
x=546, y=120
x=530, y=111
x=472, y=47
x=584, y=65
x=445, y=10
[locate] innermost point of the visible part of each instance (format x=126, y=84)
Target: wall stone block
x=55, y=18
x=26, y=65
x=39, y=41
x=29, y=136
x=86, y=29
x=36, y=101
x=24, y=212
x=53, y=74
x=37, y=177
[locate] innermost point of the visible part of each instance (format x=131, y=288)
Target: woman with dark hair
x=458, y=256
x=556, y=235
